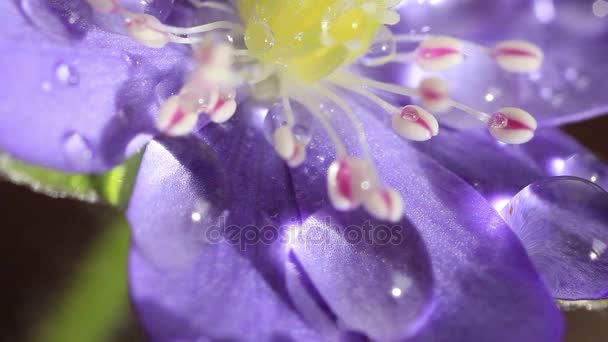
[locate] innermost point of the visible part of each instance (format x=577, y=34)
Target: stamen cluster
x=306, y=61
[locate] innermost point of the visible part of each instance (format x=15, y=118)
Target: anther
x=289, y=147
x=434, y=93
x=439, y=53
x=512, y=125
x=224, y=108
x=349, y=182
x=415, y=123
x=173, y=120
x=141, y=28
x=385, y=204
x=518, y=56
x=104, y=6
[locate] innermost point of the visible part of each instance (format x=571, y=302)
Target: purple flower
x=232, y=244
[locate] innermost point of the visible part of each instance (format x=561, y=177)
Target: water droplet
x=66, y=74
x=158, y=8
x=302, y=133
x=63, y=20
x=585, y=166
x=563, y=223
x=77, y=149
x=498, y=120
x=381, y=50
x=259, y=37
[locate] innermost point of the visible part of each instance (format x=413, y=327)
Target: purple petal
x=376, y=278
x=485, y=285
x=563, y=223
x=74, y=97
x=200, y=213
x=499, y=171
x=568, y=88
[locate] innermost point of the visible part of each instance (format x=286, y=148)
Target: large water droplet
x=563, y=223
x=77, y=149
x=585, y=166
x=375, y=281
x=63, y=20
x=259, y=37
x=66, y=74
x=381, y=50
x=277, y=117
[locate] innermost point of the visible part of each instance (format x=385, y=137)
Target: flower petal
x=563, y=223
x=207, y=218
x=568, y=88
x=74, y=97
x=485, y=285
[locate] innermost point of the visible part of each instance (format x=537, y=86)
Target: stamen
x=350, y=181
x=104, y=6
x=435, y=94
x=220, y=6
x=385, y=204
x=415, y=123
x=439, y=53
x=173, y=120
x=512, y=125
x=288, y=146
x=142, y=28
x=518, y=56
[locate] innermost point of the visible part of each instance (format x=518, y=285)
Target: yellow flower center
x=309, y=39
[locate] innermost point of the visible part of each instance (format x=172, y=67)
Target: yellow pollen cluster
x=310, y=39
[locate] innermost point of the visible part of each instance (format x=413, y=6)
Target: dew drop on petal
x=66, y=74
x=563, y=223
x=77, y=148
x=585, y=166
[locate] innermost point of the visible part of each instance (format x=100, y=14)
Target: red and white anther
x=415, y=123
x=518, y=56
x=144, y=29
x=104, y=6
x=224, y=108
x=218, y=54
x=173, y=120
x=512, y=125
x=439, y=53
x=385, y=204
x=288, y=147
x=349, y=182
x=435, y=94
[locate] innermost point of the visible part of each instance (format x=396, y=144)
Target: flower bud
x=415, y=123
x=512, y=125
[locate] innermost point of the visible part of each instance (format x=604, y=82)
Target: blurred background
x=65, y=267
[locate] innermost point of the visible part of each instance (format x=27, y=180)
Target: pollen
x=310, y=39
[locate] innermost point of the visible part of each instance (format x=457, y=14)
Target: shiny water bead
x=518, y=56
x=439, y=53
x=308, y=39
x=415, y=123
x=288, y=147
x=381, y=50
x=586, y=166
x=512, y=125
x=173, y=120
x=434, y=93
x=104, y=6
x=563, y=223
x=385, y=204
x=349, y=182
x=141, y=27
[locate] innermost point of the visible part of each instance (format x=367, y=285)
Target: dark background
x=44, y=241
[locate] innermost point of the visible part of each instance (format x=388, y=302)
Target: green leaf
x=97, y=299
x=113, y=187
